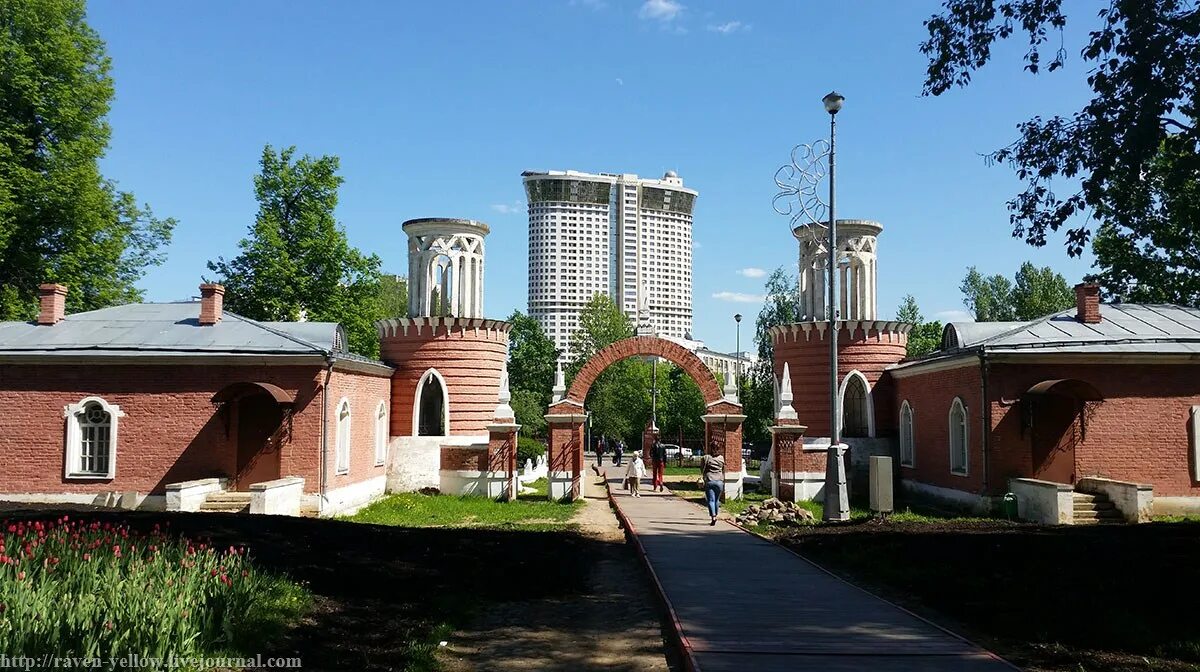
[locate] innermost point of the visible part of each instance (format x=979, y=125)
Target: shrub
x=528, y=449
x=91, y=589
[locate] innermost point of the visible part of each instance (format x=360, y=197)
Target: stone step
x=242, y=497
x=228, y=507
x=1086, y=497
x=1094, y=506
x=1099, y=521
x=1098, y=515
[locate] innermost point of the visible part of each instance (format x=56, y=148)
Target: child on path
x=635, y=473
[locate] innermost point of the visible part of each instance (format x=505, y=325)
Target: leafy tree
x=530, y=410
x=531, y=357
x=60, y=219
x=601, y=323
x=1134, y=147
x=1034, y=292
x=1038, y=292
x=680, y=404
x=782, y=306
x=924, y=337
x=988, y=298
x=297, y=261
x=393, y=295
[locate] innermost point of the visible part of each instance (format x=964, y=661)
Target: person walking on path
x=600, y=451
x=658, y=460
x=635, y=473
x=712, y=470
x=619, y=453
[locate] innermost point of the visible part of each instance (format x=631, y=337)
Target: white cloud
x=505, y=209
x=696, y=245
x=738, y=297
x=945, y=316
x=660, y=10
x=729, y=27
x=620, y=82
x=752, y=272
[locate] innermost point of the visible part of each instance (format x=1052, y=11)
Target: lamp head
x=737, y=317
x=833, y=102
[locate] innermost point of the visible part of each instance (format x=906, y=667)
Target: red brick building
x=131, y=399
x=1100, y=391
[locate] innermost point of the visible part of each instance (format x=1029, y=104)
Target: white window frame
x=342, y=463
x=416, y=417
x=906, y=413
x=381, y=433
x=73, y=459
x=958, y=405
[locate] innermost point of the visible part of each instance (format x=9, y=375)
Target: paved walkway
x=744, y=603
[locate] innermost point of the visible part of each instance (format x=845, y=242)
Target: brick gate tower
x=866, y=346
x=450, y=361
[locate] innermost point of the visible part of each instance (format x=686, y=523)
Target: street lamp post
x=837, y=501
x=738, y=350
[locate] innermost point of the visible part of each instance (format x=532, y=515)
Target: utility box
x=881, y=484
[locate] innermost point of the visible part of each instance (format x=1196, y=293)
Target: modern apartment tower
x=620, y=235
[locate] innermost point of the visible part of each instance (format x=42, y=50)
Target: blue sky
x=436, y=108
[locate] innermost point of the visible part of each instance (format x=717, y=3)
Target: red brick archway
x=566, y=417
x=645, y=346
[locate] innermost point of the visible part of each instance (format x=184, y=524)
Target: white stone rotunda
x=445, y=255
x=857, y=271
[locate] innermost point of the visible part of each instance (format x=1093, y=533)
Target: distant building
x=719, y=363
x=612, y=234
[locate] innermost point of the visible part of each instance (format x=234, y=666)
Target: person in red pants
x=658, y=456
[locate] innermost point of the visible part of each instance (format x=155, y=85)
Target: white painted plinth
x=491, y=484
x=562, y=485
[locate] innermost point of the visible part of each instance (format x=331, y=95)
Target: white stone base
x=733, y=486
x=949, y=496
x=1176, y=506
x=189, y=495
x=562, y=485
x=280, y=497
x=110, y=500
x=346, y=500
x=490, y=484
x=806, y=485
x=415, y=462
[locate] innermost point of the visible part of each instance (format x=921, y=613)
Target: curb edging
x=690, y=664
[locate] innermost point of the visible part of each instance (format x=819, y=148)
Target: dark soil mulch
x=379, y=590
x=1124, y=597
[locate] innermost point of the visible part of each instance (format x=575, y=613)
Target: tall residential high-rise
x=620, y=235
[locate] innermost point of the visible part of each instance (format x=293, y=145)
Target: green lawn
x=412, y=509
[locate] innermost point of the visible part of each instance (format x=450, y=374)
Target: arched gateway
x=567, y=416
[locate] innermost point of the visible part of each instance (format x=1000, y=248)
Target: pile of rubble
x=775, y=512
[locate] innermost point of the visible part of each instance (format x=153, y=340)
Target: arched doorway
x=431, y=416
x=257, y=413
x=567, y=415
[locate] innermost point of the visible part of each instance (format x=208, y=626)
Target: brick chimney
x=53, y=301
x=212, y=298
x=1087, y=302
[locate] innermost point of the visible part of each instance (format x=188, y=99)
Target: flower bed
x=91, y=589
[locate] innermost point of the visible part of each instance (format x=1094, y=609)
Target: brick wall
x=930, y=395
x=364, y=392
x=470, y=361
x=807, y=354
x=171, y=431
x=1138, y=433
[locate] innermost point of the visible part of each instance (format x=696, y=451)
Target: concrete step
x=1099, y=521
x=1094, y=506
x=228, y=507
x=1098, y=515
x=1079, y=497
x=243, y=497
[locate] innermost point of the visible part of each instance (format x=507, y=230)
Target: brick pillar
x=723, y=427
x=649, y=435
x=787, y=454
x=564, y=451
x=52, y=303
x=502, y=457
x=212, y=303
